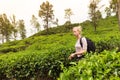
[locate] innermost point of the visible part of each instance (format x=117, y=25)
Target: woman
x=80, y=50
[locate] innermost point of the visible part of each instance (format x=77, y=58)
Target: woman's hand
x=71, y=56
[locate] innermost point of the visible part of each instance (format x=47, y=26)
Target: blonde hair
x=79, y=28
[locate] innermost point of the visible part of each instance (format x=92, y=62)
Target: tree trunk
x=15, y=36
x=47, y=27
x=47, y=22
x=94, y=20
x=118, y=11
x=95, y=26
x=7, y=38
x=69, y=19
x=2, y=39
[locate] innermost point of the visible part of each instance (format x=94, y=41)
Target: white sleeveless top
x=78, y=46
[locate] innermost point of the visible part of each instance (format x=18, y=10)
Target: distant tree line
x=95, y=14
x=10, y=29
x=46, y=12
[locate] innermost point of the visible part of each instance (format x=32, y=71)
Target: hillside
x=106, y=28
x=42, y=56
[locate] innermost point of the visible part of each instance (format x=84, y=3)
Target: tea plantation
x=45, y=57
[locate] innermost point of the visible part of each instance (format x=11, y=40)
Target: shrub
x=96, y=67
x=12, y=49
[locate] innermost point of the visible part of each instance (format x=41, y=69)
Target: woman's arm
x=81, y=52
x=84, y=49
x=77, y=53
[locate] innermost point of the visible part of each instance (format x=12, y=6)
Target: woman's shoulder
x=83, y=38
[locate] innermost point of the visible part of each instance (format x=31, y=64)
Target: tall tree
x=108, y=11
x=119, y=13
x=68, y=14
x=5, y=27
x=93, y=12
x=21, y=27
x=56, y=21
x=98, y=14
x=14, y=24
x=46, y=13
x=35, y=23
x=115, y=6
x=1, y=29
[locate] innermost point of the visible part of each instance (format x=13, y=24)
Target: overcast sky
x=23, y=9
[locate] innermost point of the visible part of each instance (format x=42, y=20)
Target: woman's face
x=75, y=31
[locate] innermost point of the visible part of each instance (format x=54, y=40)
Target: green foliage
x=94, y=12
x=44, y=57
x=22, y=30
x=108, y=44
x=5, y=28
x=12, y=49
x=46, y=13
x=59, y=29
x=95, y=67
x=15, y=46
x=34, y=22
x=39, y=60
x=68, y=14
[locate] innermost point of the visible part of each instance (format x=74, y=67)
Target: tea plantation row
x=42, y=60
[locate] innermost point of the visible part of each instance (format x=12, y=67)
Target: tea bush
x=44, y=57
x=105, y=66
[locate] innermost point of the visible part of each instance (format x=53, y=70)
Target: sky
x=24, y=9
